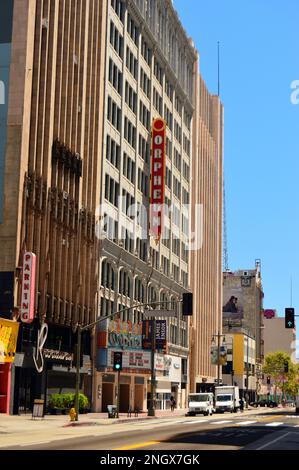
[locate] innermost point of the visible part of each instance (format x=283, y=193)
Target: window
x=177, y=132
x=146, y=51
x=142, y=182
x=144, y=149
x=158, y=72
x=110, y=227
x=168, y=117
x=168, y=178
x=186, y=171
x=118, y=7
x=112, y=152
x=128, y=239
x=132, y=29
x=168, y=89
x=116, y=39
x=144, y=115
x=114, y=114
x=184, y=278
x=176, y=246
x=111, y=190
x=178, y=105
x=168, y=148
x=177, y=159
x=130, y=97
x=145, y=83
x=132, y=63
x=124, y=283
x=187, y=120
x=184, y=252
x=128, y=204
x=157, y=100
x=176, y=272
x=107, y=278
x=129, y=168
x=115, y=76
x=186, y=144
x=177, y=187
x=130, y=133
x=185, y=196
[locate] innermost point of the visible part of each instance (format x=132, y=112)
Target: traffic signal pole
x=118, y=393
x=152, y=404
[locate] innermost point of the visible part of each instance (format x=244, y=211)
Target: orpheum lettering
x=157, y=177
x=28, y=287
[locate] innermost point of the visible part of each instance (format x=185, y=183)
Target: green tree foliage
x=274, y=366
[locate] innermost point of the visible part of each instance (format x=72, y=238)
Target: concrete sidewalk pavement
x=18, y=424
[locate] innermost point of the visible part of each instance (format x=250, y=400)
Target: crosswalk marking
x=274, y=424
x=220, y=422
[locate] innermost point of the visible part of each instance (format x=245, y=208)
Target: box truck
x=227, y=398
x=201, y=403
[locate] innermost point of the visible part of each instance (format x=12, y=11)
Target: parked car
x=265, y=403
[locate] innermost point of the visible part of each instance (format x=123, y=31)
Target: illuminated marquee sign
x=28, y=287
x=157, y=177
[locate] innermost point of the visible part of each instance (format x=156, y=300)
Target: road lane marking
x=220, y=422
x=34, y=443
x=274, y=424
x=275, y=440
x=245, y=423
x=137, y=446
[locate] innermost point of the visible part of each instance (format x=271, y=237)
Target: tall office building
x=206, y=259
x=50, y=165
x=149, y=74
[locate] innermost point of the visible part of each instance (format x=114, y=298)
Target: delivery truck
x=201, y=403
x=227, y=398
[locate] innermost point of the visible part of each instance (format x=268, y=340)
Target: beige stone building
x=52, y=180
x=206, y=258
x=278, y=338
x=243, y=304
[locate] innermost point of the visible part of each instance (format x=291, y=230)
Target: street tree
x=283, y=372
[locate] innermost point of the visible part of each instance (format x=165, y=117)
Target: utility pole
x=247, y=371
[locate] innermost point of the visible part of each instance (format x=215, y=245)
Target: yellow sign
x=8, y=340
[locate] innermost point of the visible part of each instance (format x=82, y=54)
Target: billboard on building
x=233, y=307
x=8, y=340
x=157, y=178
x=6, y=20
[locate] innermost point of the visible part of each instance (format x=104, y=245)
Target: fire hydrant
x=72, y=414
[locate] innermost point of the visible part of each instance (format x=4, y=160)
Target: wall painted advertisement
x=5, y=58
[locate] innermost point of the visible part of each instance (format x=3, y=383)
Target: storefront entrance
x=107, y=395
x=124, y=398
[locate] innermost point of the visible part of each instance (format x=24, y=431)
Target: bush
x=68, y=400
x=56, y=401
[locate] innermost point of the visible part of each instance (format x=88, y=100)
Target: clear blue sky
x=259, y=60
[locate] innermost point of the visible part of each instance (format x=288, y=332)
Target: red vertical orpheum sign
x=28, y=287
x=157, y=178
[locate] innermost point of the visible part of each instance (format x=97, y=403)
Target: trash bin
x=111, y=411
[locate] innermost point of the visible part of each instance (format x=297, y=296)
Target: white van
x=201, y=403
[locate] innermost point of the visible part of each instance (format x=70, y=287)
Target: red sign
x=157, y=177
x=28, y=287
x=269, y=313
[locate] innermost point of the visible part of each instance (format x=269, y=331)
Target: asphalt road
x=269, y=430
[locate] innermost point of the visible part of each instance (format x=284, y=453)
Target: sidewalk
x=18, y=424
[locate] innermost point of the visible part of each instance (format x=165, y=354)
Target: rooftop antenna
x=218, y=54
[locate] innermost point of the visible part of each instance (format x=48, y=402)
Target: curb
x=113, y=421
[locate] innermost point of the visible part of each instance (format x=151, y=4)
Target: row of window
x=119, y=8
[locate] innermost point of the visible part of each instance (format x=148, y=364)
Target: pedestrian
x=172, y=403
x=241, y=404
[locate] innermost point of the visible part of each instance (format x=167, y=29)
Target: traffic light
x=286, y=366
x=187, y=309
x=118, y=361
x=290, y=318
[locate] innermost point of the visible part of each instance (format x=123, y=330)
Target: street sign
x=159, y=313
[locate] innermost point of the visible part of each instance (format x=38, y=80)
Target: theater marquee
x=157, y=178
